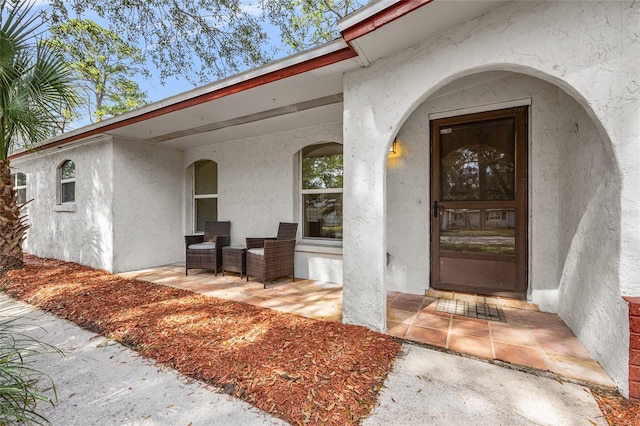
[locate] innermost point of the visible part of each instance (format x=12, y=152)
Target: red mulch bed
x=618, y=410
x=301, y=370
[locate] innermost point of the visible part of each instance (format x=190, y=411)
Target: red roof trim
x=295, y=69
x=382, y=18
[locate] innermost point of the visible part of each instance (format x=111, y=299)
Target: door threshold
x=505, y=302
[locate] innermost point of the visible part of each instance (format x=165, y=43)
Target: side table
x=234, y=258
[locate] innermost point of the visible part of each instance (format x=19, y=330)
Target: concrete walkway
x=100, y=382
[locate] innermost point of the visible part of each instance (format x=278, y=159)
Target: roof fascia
x=376, y=15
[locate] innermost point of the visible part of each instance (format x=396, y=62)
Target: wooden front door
x=479, y=203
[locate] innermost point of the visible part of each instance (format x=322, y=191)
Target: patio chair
x=205, y=251
x=269, y=258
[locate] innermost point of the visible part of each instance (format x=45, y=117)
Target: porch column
x=364, y=254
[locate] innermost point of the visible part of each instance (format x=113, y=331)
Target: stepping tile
x=429, y=336
x=470, y=328
x=504, y=333
x=405, y=305
x=579, y=368
x=521, y=355
x=471, y=345
x=432, y=321
x=396, y=315
x=397, y=329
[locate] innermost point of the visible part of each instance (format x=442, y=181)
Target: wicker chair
x=269, y=258
x=205, y=251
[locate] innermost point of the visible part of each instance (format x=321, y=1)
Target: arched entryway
x=571, y=203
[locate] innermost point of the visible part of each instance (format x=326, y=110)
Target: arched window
x=321, y=191
x=20, y=185
x=67, y=182
x=205, y=193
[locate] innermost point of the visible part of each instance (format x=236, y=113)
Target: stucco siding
x=147, y=207
x=589, y=216
x=80, y=231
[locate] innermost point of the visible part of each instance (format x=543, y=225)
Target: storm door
x=479, y=203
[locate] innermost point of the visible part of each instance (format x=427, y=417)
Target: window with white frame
x=321, y=191
x=67, y=182
x=20, y=185
x=205, y=193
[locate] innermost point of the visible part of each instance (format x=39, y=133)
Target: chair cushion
x=207, y=245
x=257, y=251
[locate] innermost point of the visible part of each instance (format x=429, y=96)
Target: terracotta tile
x=395, y=315
x=578, y=368
x=431, y=310
x=397, y=329
x=470, y=319
x=543, y=319
x=521, y=355
x=429, y=336
x=470, y=328
x=428, y=300
x=470, y=345
x=432, y=321
x=505, y=334
x=416, y=298
x=562, y=345
x=405, y=305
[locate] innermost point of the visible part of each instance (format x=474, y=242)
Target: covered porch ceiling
x=303, y=100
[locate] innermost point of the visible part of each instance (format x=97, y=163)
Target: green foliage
x=20, y=384
x=308, y=23
x=35, y=83
x=105, y=66
x=201, y=40
x=205, y=40
x=322, y=172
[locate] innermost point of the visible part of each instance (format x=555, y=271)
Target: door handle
x=435, y=209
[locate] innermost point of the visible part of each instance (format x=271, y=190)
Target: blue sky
x=175, y=85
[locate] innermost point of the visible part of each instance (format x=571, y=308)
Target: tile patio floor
x=528, y=338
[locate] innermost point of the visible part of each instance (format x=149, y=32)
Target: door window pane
x=477, y=161
x=478, y=231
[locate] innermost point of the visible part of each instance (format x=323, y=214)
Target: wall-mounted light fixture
x=392, y=148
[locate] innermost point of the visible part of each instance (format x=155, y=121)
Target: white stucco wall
x=590, y=299
x=585, y=49
x=81, y=231
x=148, y=187
x=258, y=187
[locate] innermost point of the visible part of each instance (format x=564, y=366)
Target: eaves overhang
x=387, y=26
x=304, y=62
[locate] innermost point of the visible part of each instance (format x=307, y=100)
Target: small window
x=67, y=179
x=321, y=190
x=20, y=185
x=496, y=215
x=205, y=193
